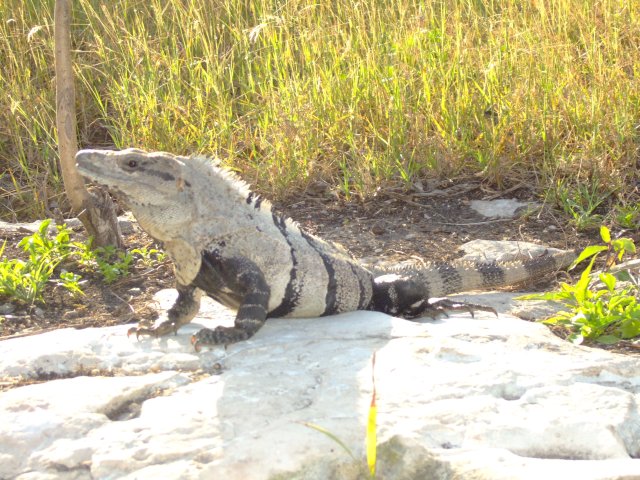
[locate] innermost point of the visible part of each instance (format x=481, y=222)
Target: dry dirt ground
x=392, y=225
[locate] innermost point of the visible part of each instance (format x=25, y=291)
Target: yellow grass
x=356, y=93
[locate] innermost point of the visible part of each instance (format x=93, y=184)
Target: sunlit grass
x=355, y=93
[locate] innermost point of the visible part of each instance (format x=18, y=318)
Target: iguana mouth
x=92, y=164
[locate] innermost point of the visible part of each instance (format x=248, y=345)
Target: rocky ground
x=460, y=397
x=485, y=398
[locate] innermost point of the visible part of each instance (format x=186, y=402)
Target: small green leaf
x=581, y=291
x=605, y=234
x=44, y=226
x=624, y=245
x=562, y=318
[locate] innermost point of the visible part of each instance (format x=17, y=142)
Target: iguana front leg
x=246, y=279
x=184, y=309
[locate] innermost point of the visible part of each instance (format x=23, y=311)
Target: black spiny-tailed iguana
x=228, y=242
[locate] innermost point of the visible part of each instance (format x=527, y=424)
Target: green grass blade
x=326, y=432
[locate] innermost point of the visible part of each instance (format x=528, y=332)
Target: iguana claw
x=164, y=328
x=218, y=336
x=133, y=330
x=196, y=343
x=445, y=305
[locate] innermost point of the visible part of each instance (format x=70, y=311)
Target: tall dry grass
x=354, y=92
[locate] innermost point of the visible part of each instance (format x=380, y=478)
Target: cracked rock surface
x=484, y=398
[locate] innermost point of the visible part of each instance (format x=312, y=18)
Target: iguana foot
x=165, y=328
x=444, y=305
x=218, y=336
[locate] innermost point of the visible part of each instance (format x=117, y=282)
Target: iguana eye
x=133, y=163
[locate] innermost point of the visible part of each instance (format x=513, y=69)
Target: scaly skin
x=228, y=242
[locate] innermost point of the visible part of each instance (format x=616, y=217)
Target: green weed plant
x=581, y=202
x=114, y=264
x=628, y=216
x=607, y=312
x=55, y=260
x=25, y=280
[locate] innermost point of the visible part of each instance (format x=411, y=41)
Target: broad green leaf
x=630, y=328
x=582, y=287
x=607, y=339
x=588, y=252
x=609, y=280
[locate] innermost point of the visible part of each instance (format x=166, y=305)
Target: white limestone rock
x=500, y=208
x=503, y=250
x=484, y=398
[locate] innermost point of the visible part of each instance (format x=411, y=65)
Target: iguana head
x=152, y=184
